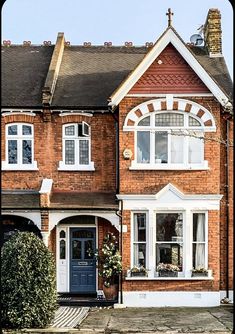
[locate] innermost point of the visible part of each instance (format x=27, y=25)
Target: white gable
x=168, y=37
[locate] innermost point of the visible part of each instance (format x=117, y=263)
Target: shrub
x=28, y=282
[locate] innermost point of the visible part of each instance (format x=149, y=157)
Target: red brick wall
x=48, y=153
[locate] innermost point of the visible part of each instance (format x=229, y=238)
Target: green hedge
x=28, y=280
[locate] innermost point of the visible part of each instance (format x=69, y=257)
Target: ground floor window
x=170, y=237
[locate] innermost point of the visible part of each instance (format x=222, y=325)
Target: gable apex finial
x=169, y=14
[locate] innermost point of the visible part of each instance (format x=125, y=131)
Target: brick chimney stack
x=213, y=33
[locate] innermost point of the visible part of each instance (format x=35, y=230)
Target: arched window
x=169, y=140
x=76, y=147
x=19, y=146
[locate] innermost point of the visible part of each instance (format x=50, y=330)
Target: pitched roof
x=23, y=74
x=20, y=199
x=88, y=75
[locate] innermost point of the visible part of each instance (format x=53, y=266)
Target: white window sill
x=179, y=278
x=86, y=168
x=139, y=166
x=13, y=167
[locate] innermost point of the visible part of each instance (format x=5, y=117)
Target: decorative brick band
x=159, y=105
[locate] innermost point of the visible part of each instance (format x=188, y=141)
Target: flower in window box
x=199, y=271
x=138, y=271
x=167, y=270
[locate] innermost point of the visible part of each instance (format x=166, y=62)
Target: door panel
x=82, y=262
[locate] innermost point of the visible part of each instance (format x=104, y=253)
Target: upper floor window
x=19, y=147
x=76, y=147
x=166, y=140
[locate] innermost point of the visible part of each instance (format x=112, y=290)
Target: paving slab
x=159, y=320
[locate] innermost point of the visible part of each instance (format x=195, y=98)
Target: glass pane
x=193, y=122
x=143, y=147
x=198, y=255
x=69, y=152
x=27, y=151
x=12, y=130
x=76, y=249
x=169, y=227
x=62, y=234
x=169, y=253
x=144, y=122
x=82, y=234
x=140, y=255
x=89, y=251
x=167, y=119
x=83, y=152
x=195, y=150
x=12, y=151
x=139, y=227
x=177, y=148
x=161, y=147
x=198, y=227
x=70, y=130
x=62, y=249
x=27, y=130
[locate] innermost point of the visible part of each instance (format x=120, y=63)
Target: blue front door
x=82, y=262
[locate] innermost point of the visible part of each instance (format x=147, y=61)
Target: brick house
x=131, y=140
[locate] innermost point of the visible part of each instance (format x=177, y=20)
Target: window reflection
x=76, y=249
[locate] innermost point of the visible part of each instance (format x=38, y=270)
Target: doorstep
x=66, y=299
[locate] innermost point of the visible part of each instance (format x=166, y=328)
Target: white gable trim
x=169, y=37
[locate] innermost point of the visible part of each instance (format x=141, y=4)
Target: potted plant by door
x=199, y=272
x=167, y=270
x=109, y=265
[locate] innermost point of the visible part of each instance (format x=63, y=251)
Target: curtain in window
x=195, y=149
x=200, y=238
x=177, y=149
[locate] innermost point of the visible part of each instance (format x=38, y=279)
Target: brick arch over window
x=169, y=104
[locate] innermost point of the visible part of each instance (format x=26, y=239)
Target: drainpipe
x=227, y=207
x=120, y=247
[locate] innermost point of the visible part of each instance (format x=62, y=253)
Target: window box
x=168, y=273
x=139, y=274
x=200, y=274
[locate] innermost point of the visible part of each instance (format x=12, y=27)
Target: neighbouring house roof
x=23, y=74
x=76, y=200
x=20, y=199
x=88, y=76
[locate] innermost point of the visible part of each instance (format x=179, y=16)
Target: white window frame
x=170, y=130
x=169, y=242
x=133, y=238
x=19, y=138
x=76, y=138
x=206, y=238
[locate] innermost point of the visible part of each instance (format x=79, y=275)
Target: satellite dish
x=196, y=39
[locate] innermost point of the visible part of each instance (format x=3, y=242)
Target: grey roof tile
x=23, y=74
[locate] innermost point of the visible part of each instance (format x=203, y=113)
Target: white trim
x=171, y=298
x=20, y=167
x=35, y=216
x=87, y=168
x=74, y=112
x=46, y=186
x=30, y=113
x=168, y=37
x=174, y=95
x=140, y=166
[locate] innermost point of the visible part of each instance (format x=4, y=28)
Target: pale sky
x=116, y=21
